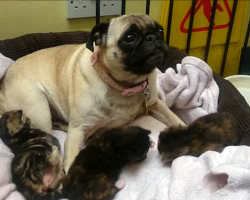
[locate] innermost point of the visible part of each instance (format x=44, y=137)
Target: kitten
x=95, y=171
x=211, y=132
x=37, y=164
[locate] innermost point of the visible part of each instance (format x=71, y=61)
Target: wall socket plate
x=87, y=8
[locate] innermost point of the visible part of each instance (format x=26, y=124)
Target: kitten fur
x=36, y=154
x=95, y=171
x=211, y=132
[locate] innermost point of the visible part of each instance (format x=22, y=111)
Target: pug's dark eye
x=161, y=31
x=130, y=38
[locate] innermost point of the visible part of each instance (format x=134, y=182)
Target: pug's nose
x=150, y=38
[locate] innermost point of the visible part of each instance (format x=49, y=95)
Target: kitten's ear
x=138, y=130
x=20, y=112
x=165, y=158
x=98, y=35
x=147, y=132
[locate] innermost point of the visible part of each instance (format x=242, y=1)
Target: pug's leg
x=161, y=112
x=73, y=145
x=78, y=132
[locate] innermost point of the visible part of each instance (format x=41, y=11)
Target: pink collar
x=110, y=81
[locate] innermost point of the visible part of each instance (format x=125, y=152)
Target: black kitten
x=96, y=169
x=37, y=164
x=210, y=132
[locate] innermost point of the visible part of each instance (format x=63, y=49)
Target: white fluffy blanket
x=192, y=91
x=213, y=175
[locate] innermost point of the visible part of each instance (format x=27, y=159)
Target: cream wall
x=23, y=17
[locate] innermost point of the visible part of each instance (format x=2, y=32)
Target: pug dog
x=106, y=82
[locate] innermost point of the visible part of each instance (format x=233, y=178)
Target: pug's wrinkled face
x=130, y=43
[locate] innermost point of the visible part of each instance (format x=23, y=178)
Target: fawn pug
x=106, y=82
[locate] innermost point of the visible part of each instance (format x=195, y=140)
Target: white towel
x=212, y=176
x=7, y=188
x=143, y=179
x=191, y=92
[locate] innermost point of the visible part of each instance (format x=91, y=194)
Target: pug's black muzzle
x=146, y=55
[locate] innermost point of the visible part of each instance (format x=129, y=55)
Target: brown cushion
x=23, y=45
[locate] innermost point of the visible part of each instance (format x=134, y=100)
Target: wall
x=248, y=21
x=23, y=17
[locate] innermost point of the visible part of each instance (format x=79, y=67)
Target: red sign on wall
x=206, y=7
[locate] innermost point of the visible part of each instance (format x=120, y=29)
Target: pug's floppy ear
x=98, y=35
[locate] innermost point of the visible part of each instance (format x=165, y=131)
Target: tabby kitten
x=37, y=164
x=211, y=132
x=95, y=171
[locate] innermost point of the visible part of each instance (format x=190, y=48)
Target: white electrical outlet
x=87, y=8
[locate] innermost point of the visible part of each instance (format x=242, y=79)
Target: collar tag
x=145, y=107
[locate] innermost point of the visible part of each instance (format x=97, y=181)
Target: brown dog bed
x=230, y=100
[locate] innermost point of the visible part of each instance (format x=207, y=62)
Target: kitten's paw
x=63, y=170
x=152, y=143
x=120, y=184
x=55, y=149
x=55, y=157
